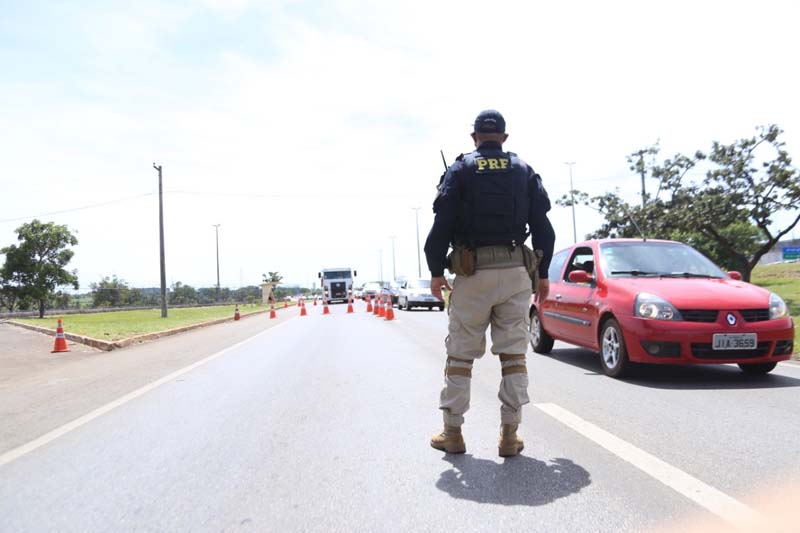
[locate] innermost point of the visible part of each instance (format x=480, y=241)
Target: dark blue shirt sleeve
x=543, y=237
x=445, y=207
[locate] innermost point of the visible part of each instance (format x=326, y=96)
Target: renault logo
x=731, y=319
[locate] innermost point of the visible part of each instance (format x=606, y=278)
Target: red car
x=659, y=302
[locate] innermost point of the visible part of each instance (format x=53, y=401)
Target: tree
x=35, y=267
x=250, y=292
x=743, y=183
x=207, y=295
x=181, y=294
x=727, y=215
x=12, y=293
x=111, y=293
x=60, y=300
x=8, y=296
x=281, y=292
x=273, y=277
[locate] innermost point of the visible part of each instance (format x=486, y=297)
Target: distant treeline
x=114, y=293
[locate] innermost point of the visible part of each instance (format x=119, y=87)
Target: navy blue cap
x=490, y=121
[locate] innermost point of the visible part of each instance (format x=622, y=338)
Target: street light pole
x=419, y=263
x=161, y=242
x=216, y=230
x=380, y=255
x=572, y=201
x=394, y=272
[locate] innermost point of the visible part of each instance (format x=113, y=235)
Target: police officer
x=488, y=202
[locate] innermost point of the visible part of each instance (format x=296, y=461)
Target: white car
x=417, y=293
x=371, y=289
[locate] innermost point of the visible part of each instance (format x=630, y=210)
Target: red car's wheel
x=613, y=354
x=541, y=342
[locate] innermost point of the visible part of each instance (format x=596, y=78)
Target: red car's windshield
x=625, y=259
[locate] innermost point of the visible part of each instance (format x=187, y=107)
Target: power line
x=90, y=206
x=198, y=193
x=322, y=195
x=299, y=195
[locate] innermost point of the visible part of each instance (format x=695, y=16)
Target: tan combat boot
x=450, y=440
x=510, y=444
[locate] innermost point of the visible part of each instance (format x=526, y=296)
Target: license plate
x=735, y=341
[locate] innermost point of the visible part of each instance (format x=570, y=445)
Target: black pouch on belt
x=461, y=261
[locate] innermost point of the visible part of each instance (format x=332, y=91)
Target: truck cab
x=337, y=283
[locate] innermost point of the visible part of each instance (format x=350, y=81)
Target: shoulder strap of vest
x=467, y=199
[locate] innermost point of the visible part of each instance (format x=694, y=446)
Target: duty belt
x=502, y=256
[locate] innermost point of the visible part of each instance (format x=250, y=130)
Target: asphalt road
x=321, y=423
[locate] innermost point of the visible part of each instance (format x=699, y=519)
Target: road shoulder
x=48, y=391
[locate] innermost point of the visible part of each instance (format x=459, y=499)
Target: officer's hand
x=437, y=284
x=542, y=290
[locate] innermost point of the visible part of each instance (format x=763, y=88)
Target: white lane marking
x=18, y=452
x=711, y=499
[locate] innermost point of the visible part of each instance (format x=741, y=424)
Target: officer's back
x=487, y=201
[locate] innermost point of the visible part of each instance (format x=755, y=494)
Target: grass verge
x=117, y=325
x=784, y=280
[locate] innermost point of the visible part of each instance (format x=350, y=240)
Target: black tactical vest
x=495, y=198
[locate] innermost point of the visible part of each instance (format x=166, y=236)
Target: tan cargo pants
x=500, y=297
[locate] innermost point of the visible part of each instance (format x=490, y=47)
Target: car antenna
x=444, y=161
x=644, y=239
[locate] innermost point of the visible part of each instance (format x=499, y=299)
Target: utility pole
x=216, y=230
x=394, y=272
x=572, y=201
x=380, y=255
x=640, y=165
x=419, y=263
x=161, y=240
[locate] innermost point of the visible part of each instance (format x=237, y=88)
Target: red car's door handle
x=557, y=296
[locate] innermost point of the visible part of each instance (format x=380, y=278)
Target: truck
x=337, y=283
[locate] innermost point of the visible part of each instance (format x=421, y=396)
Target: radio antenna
x=644, y=239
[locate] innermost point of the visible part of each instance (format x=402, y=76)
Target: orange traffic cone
x=389, y=309
x=272, y=313
x=61, y=341
x=381, y=307
x=315, y=300
x=285, y=304
x=325, y=310
x=236, y=315
x=369, y=305
x=303, y=310
x=349, y=305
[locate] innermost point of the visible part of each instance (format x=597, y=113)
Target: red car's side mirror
x=735, y=275
x=579, y=276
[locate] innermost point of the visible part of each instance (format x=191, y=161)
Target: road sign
x=791, y=252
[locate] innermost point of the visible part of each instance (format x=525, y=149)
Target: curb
x=108, y=346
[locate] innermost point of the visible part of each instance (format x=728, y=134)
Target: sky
x=311, y=130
